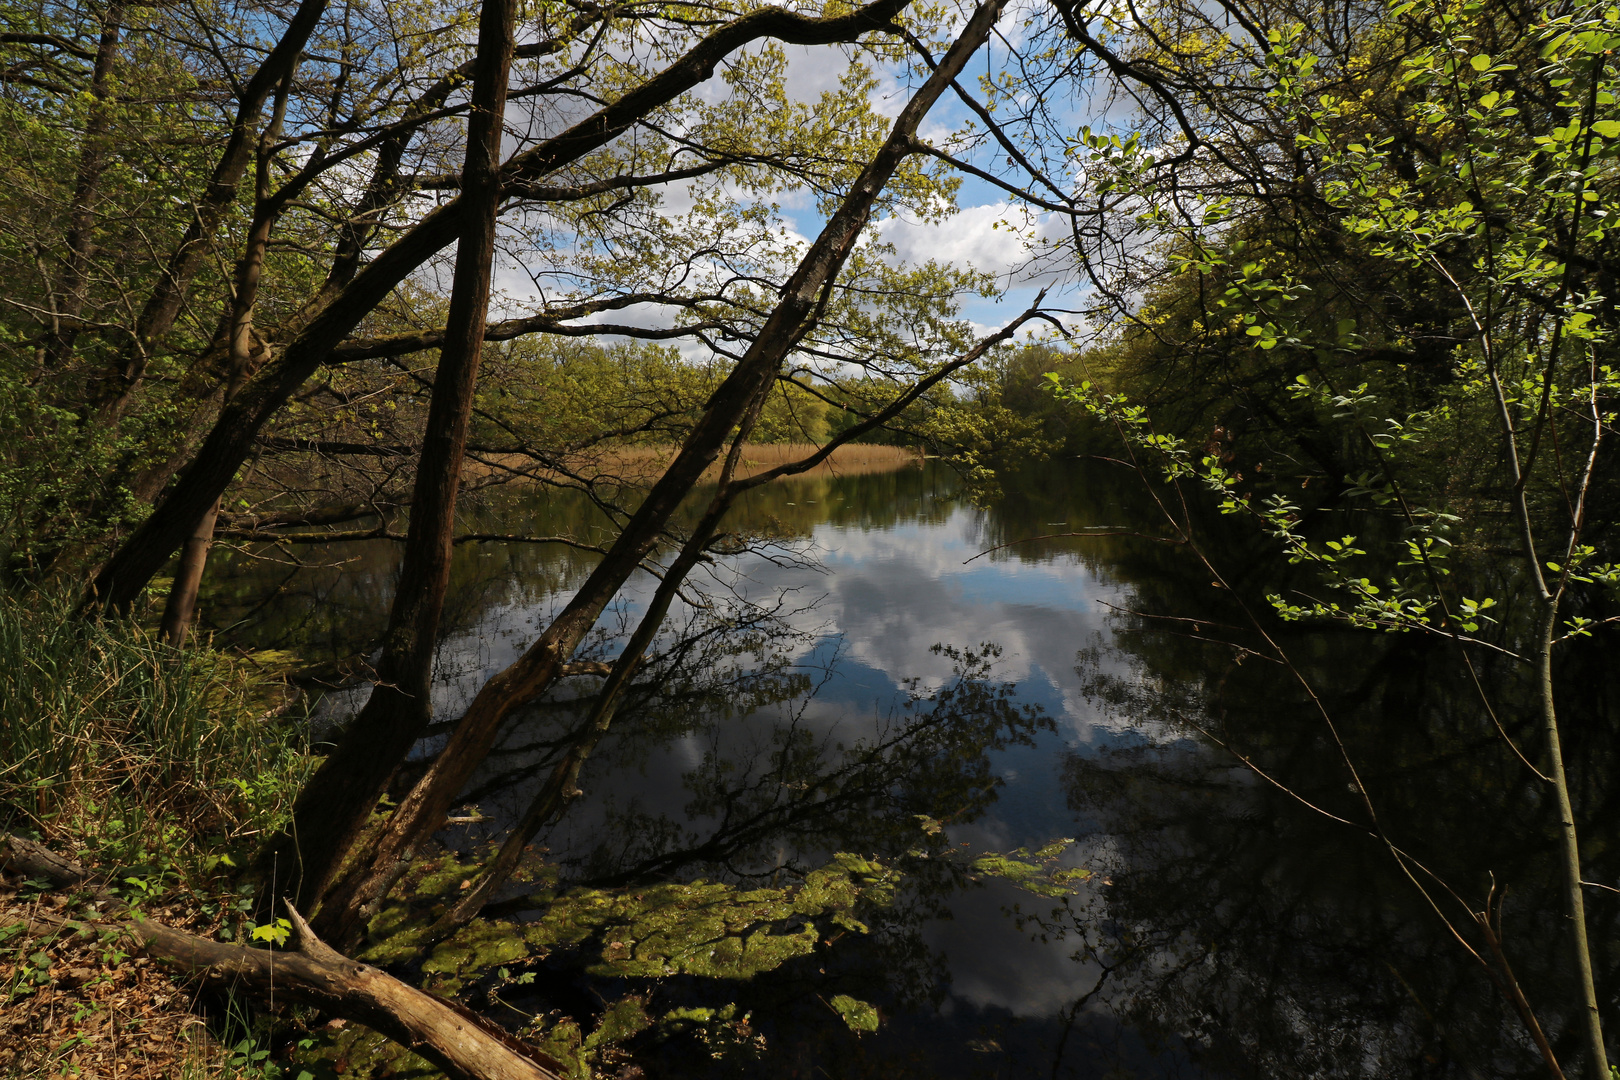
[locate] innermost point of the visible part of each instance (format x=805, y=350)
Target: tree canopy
x=314, y=272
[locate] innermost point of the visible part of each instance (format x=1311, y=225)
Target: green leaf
x=1609, y=129
x=277, y=933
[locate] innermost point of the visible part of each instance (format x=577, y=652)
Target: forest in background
x=281, y=274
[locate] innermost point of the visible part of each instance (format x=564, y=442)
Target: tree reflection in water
x=1228, y=930
x=1282, y=943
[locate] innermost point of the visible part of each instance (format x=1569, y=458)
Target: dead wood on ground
x=308, y=972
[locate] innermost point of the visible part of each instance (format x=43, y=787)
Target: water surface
x=877, y=666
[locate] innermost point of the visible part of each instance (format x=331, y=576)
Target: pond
x=890, y=661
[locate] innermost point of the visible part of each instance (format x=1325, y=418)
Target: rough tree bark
x=343, y=791
x=560, y=787
x=422, y=811
x=181, y=605
x=182, y=601
x=143, y=553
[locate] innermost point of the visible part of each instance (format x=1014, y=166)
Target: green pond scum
x=640, y=940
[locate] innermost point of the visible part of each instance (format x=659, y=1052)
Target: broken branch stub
x=457, y=1040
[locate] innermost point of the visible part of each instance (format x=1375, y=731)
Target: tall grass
x=120, y=746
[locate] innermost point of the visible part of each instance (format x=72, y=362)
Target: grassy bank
x=159, y=766
x=120, y=747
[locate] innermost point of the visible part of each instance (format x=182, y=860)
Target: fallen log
x=309, y=972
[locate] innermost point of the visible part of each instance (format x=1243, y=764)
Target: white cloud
x=991, y=238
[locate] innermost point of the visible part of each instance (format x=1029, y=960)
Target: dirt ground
x=77, y=1004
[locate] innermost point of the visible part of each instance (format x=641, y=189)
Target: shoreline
x=644, y=464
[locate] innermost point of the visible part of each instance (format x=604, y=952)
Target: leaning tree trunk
x=336, y=801
x=181, y=605
x=145, y=551
x=422, y=811
x=70, y=290
x=561, y=786
x=168, y=296
x=182, y=601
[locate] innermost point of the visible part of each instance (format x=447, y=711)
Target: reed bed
x=644, y=464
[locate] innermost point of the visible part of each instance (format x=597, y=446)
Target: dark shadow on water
x=1227, y=931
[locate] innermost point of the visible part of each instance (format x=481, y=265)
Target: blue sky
x=987, y=233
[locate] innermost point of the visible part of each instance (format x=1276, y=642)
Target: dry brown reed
x=644, y=464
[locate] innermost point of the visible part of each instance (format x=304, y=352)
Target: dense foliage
x=1298, y=260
